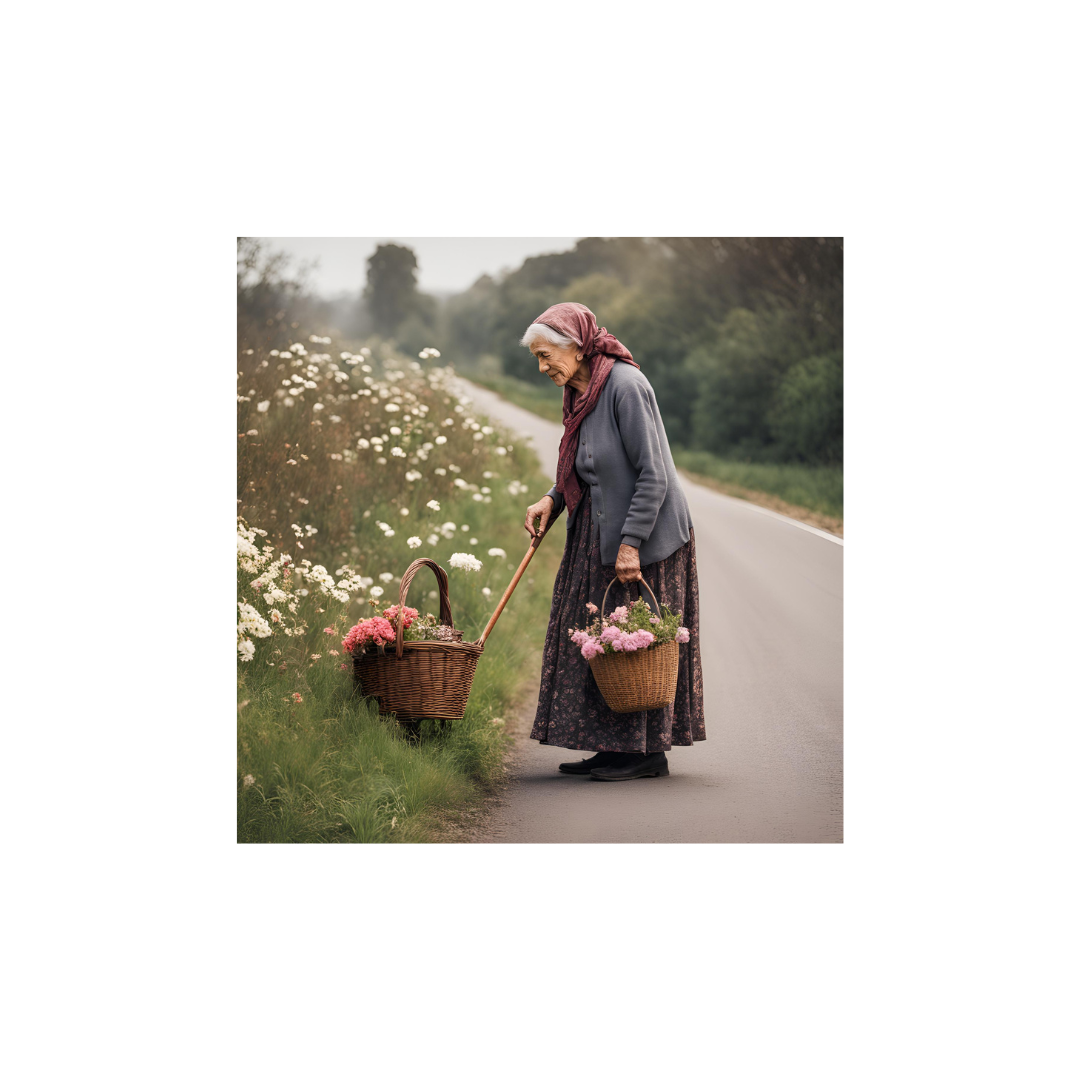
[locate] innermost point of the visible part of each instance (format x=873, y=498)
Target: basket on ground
x=420, y=678
x=643, y=679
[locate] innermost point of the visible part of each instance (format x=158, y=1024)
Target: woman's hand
x=541, y=510
x=627, y=566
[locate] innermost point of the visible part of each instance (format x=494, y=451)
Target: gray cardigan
x=624, y=459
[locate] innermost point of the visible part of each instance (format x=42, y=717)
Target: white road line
x=761, y=510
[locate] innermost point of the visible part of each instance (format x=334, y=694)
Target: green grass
x=330, y=769
x=545, y=401
x=816, y=487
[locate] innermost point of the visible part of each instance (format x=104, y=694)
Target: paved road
x=771, y=769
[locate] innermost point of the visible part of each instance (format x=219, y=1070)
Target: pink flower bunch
x=624, y=630
x=639, y=639
x=391, y=613
x=617, y=638
x=373, y=631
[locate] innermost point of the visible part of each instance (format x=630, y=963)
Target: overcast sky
x=447, y=263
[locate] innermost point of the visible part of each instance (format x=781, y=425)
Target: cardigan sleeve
x=557, y=498
x=641, y=440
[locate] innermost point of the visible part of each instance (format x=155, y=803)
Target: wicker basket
x=645, y=679
x=420, y=678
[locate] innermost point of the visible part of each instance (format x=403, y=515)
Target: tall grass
x=315, y=761
x=816, y=487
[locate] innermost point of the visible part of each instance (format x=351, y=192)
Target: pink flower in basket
x=639, y=639
x=391, y=613
x=682, y=635
x=619, y=613
x=591, y=608
x=373, y=631
x=591, y=647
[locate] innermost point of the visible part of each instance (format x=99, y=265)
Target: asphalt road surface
x=771, y=767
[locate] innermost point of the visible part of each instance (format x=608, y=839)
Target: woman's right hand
x=542, y=510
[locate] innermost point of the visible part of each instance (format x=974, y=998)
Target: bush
x=807, y=415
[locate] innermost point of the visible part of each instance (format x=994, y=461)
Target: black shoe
x=583, y=768
x=644, y=765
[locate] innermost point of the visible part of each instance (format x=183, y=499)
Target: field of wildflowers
x=351, y=464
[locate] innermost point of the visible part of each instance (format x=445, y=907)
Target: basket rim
x=468, y=646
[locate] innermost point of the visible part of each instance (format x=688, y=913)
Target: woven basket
x=420, y=678
x=645, y=679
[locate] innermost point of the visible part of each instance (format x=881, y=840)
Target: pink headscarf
x=602, y=349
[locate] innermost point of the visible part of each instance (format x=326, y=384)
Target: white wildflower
x=386, y=576
x=263, y=406
x=433, y=504
x=440, y=439
x=414, y=541
x=497, y=552
x=486, y=591
x=245, y=648
x=462, y=560
x=376, y=591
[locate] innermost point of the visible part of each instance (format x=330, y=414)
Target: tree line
x=741, y=337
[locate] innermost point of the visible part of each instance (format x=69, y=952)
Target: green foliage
x=717, y=323
x=807, y=414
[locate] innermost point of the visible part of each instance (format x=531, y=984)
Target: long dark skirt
x=571, y=711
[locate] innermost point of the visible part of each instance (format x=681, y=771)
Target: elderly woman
x=628, y=518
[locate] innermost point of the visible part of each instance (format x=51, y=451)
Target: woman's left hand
x=627, y=566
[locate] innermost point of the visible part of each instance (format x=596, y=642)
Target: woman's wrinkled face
x=559, y=364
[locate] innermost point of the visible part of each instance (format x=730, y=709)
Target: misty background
x=741, y=337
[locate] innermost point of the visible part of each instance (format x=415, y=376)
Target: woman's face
x=559, y=364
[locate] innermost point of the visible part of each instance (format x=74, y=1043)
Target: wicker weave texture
x=415, y=679
x=645, y=679
x=432, y=678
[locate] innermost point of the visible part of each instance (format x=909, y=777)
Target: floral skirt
x=571, y=711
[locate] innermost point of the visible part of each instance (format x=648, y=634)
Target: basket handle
x=445, y=615
x=641, y=581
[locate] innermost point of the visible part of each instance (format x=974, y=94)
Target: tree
x=391, y=295
x=807, y=415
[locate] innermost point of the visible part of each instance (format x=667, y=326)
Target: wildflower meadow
x=350, y=465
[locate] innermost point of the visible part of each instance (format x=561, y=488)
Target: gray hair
x=539, y=331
